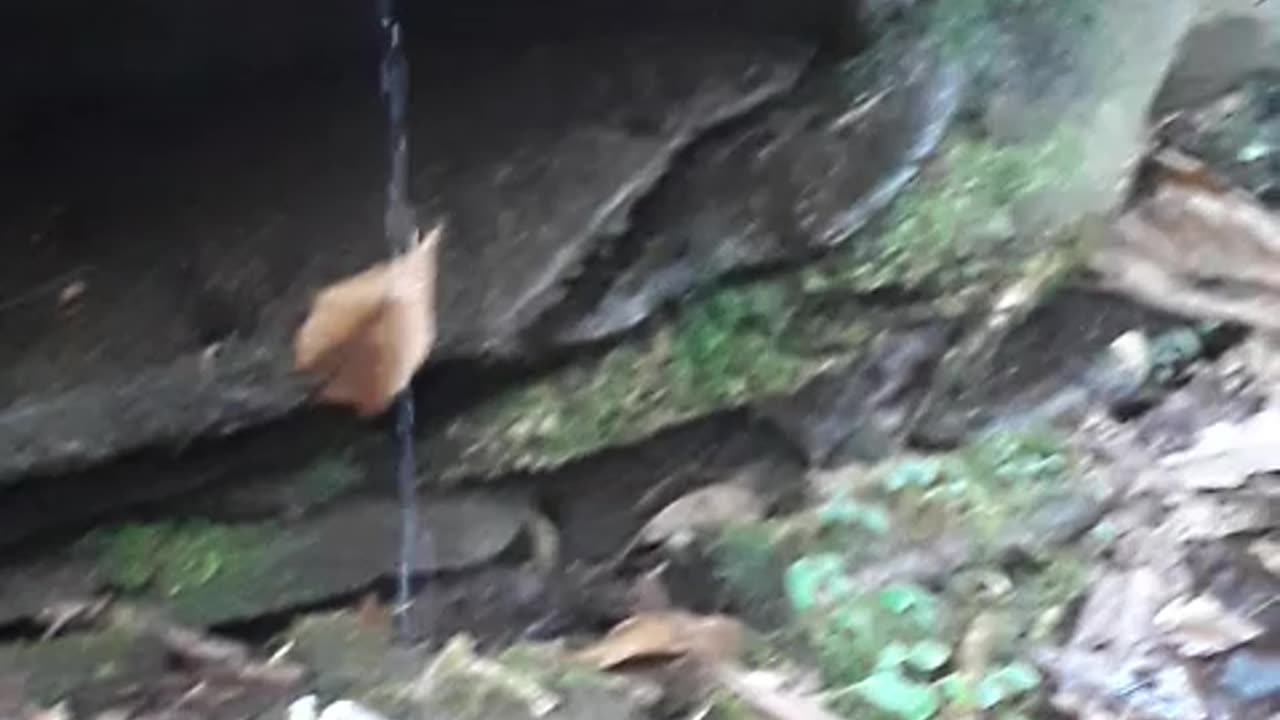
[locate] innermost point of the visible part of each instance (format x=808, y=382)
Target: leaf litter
x=1164, y=634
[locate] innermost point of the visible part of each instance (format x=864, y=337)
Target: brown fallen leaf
x=1202, y=627
x=668, y=634
x=367, y=335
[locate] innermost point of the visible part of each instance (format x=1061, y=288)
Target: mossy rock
x=731, y=348
x=208, y=573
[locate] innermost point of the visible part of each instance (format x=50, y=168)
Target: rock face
x=590, y=167
x=806, y=177
x=186, y=239
x=162, y=250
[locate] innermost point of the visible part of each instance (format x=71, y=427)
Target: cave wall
x=65, y=54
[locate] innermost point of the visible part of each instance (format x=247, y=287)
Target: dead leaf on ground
x=367, y=335
x=708, y=508
x=1226, y=454
x=669, y=634
x=767, y=694
x=1191, y=247
x=1202, y=626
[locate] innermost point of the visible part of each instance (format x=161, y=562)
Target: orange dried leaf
x=668, y=634
x=366, y=335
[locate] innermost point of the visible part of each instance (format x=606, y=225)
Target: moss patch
x=726, y=350
x=174, y=559
x=204, y=572
x=955, y=227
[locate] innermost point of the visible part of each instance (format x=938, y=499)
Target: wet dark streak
x=401, y=229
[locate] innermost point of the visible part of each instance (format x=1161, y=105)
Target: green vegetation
x=886, y=654
x=725, y=350
x=733, y=345
x=201, y=571
x=955, y=228
x=176, y=559
x=893, y=652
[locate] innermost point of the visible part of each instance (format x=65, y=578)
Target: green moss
x=734, y=345
x=954, y=228
x=175, y=559
x=205, y=572
x=994, y=483
x=725, y=350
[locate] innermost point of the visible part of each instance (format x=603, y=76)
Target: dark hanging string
x=401, y=231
